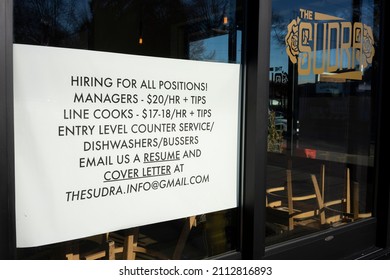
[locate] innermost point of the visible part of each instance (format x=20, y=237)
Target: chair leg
x=348, y=191
x=319, y=199
x=290, y=200
x=128, y=250
x=110, y=249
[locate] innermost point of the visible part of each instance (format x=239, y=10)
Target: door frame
x=7, y=181
x=362, y=239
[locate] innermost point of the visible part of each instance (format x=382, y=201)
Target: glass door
x=322, y=117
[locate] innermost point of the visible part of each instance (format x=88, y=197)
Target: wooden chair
x=131, y=246
x=275, y=208
x=345, y=212
x=125, y=245
x=105, y=249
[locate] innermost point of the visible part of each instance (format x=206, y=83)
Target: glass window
x=184, y=29
x=321, y=115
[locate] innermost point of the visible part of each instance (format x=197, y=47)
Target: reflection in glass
x=179, y=28
x=183, y=29
x=321, y=113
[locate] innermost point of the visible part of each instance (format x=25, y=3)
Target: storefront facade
x=193, y=130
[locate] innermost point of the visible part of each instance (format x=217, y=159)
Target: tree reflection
x=50, y=22
x=169, y=28
x=208, y=17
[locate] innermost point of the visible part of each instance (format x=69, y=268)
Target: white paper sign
x=109, y=141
